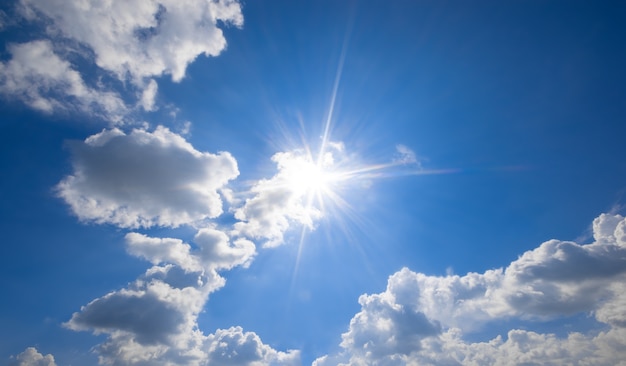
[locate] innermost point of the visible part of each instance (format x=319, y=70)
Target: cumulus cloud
x=154, y=320
x=32, y=357
x=138, y=38
x=558, y=278
x=214, y=252
x=134, y=41
x=384, y=328
x=162, y=250
x=522, y=347
x=144, y=178
x=37, y=76
x=233, y=346
x=156, y=308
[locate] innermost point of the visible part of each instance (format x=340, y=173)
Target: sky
x=291, y=182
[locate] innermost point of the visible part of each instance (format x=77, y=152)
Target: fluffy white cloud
x=37, y=76
x=136, y=40
x=154, y=309
x=385, y=327
x=162, y=250
x=31, y=357
x=145, y=178
x=154, y=320
x=400, y=326
x=215, y=251
x=140, y=38
x=523, y=347
x=233, y=346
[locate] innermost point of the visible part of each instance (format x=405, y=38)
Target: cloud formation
x=154, y=320
x=134, y=41
x=32, y=357
x=41, y=79
x=285, y=199
x=140, y=39
x=233, y=346
x=215, y=252
x=420, y=319
x=144, y=178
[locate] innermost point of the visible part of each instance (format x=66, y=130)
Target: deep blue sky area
x=515, y=113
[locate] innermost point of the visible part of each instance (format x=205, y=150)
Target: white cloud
x=37, y=76
x=145, y=178
x=609, y=228
x=556, y=279
x=148, y=95
x=523, y=347
x=140, y=38
x=132, y=40
x=405, y=155
x=155, y=309
x=385, y=327
x=31, y=357
x=162, y=250
x=154, y=320
x=215, y=252
x=233, y=346
x=613, y=310
x=278, y=202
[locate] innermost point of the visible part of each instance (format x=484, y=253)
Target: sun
x=308, y=177
x=305, y=176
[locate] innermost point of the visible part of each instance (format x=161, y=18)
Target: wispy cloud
x=405, y=155
x=41, y=79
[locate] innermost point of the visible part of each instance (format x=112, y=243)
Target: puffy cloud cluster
x=32, y=357
x=141, y=38
x=214, y=253
x=128, y=40
x=44, y=81
x=154, y=320
x=233, y=346
x=419, y=319
x=145, y=178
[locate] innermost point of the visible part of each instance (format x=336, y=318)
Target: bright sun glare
x=305, y=176
x=312, y=182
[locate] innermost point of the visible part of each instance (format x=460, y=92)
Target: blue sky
x=312, y=183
